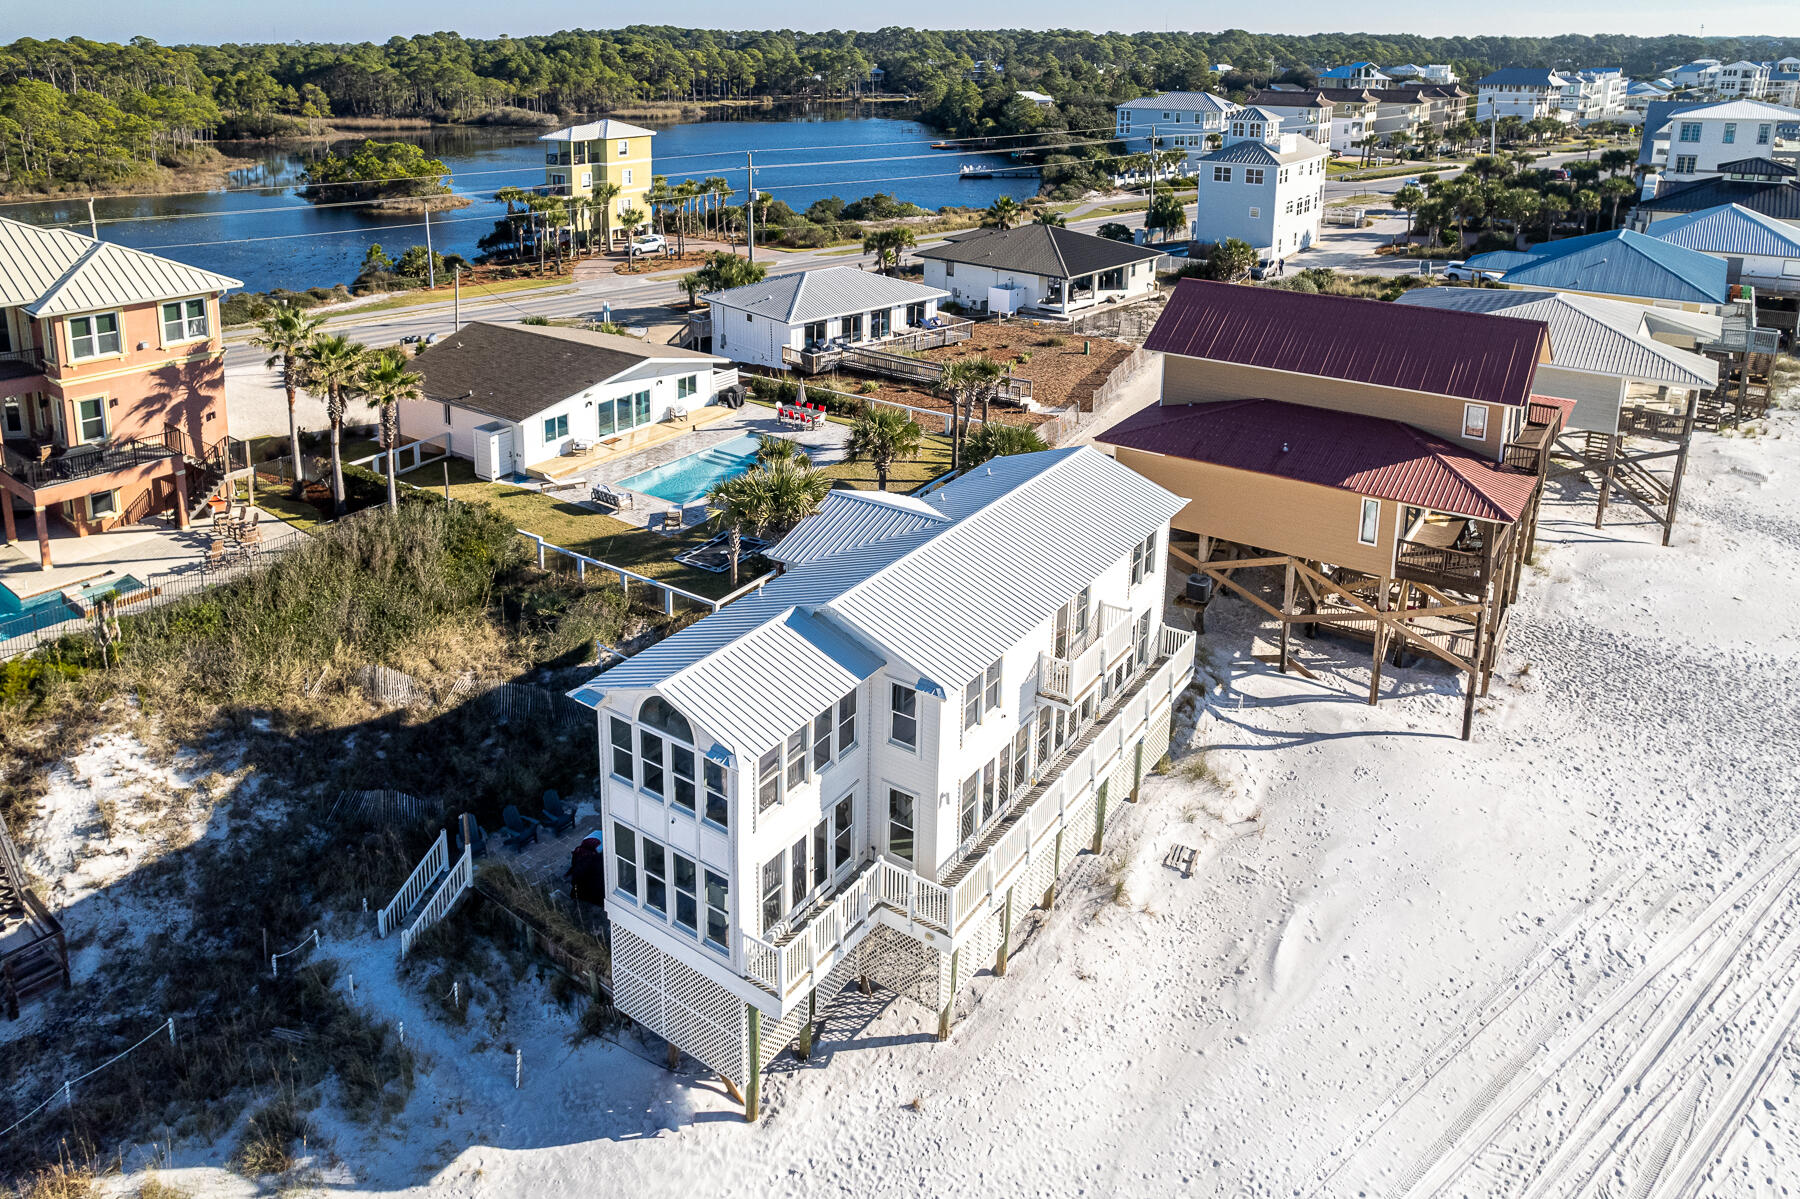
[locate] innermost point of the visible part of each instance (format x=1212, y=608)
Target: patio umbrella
x=800, y=395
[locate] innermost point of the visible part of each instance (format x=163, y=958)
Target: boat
x=942, y=146
x=981, y=171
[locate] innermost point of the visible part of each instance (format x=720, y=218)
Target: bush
x=268, y=1142
x=880, y=207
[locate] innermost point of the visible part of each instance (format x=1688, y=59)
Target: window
x=1143, y=559
x=1475, y=418
x=718, y=894
x=621, y=749
x=822, y=730
x=1282, y=175
x=102, y=504
x=718, y=809
x=92, y=415
x=1221, y=174
x=987, y=792
x=972, y=703
x=625, y=182
x=555, y=427
x=900, y=825
x=992, y=698
x=625, y=859
x=768, y=780
x=842, y=830
x=1730, y=132
x=183, y=320
x=15, y=416
x=446, y=412
x=915, y=315
x=904, y=702
x=92, y=336
x=1684, y=164
x=681, y=765
x=797, y=871
x=815, y=334
x=624, y=149
x=853, y=327
x=1368, y=532
x=949, y=270
x=686, y=386
x=650, y=750
x=687, y=901
x=1762, y=134
x=1255, y=213
x=771, y=895
x=1253, y=176
x=656, y=878
x=796, y=758
x=1690, y=131
x=881, y=322
x=1021, y=753
x=821, y=852
x=1072, y=625
x=971, y=790
x=1043, y=737
x=846, y=732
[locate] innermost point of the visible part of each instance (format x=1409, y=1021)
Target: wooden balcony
x=1440, y=566
x=1638, y=421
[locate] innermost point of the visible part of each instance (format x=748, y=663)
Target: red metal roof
x=1471, y=356
x=1365, y=454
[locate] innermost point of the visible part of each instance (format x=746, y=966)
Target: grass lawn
x=933, y=460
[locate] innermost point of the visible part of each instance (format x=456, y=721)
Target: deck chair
x=559, y=817
x=520, y=830
x=477, y=838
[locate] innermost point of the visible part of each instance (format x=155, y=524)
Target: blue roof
x=1729, y=229
x=1522, y=77
x=1621, y=263
x=1346, y=72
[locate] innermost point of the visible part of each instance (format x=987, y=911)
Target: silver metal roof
x=851, y=520
x=1183, y=102
x=1014, y=540
x=1608, y=337
x=1729, y=229
x=819, y=294
x=54, y=272
x=595, y=131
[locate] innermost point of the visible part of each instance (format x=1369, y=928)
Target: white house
x=1039, y=269
x=1594, y=95
x=1700, y=74
x=768, y=323
x=1694, y=142
x=1311, y=113
x=1037, y=98
x=513, y=397
x=1758, y=250
x=1524, y=92
x=1182, y=119
x=1264, y=187
x=1741, y=80
x=870, y=768
x=1784, y=88
x=1356, y=74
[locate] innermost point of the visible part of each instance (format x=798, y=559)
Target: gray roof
x=1729, y=229
x=595, y=131
x=850, y=520
x=515, y=372
x=54, y=272
x=1779, y=198
x=1013, y=540
x=815, y=295
x=1255, y=153
x=1522, y=77
x=1045, y=250
x=1183, y=102
x=1587, y=333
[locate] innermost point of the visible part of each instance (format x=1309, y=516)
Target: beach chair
x=520, y=830
x=672, y=520
x=477, y=838
x=558, y=817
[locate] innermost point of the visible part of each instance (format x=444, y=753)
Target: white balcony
x=1067, y=680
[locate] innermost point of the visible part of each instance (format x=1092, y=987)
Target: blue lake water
x=688, y=478
x=272, y=238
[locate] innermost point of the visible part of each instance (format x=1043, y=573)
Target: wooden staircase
x=34, y=957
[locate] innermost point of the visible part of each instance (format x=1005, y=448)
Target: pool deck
x=154, y=547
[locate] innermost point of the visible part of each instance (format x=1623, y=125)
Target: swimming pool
x=20, y=616
x=688, y=478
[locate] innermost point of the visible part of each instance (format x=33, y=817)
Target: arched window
x=657, y=713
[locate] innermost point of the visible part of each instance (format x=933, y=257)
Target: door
x=504, y=466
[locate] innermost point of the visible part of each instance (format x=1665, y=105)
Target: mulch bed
x=1059, y=374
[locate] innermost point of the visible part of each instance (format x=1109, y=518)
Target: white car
x=649, y=243
x=1459, y=270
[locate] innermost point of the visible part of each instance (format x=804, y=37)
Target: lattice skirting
x=682, y=1006
x=909, y=968
x=777, y=1037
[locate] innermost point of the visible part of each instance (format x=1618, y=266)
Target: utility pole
x=430, y=265
x=456, y=299
x=93, y=225
x=750, y=204
x=1493, y=129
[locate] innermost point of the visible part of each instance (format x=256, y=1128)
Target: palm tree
x=1614, y=190
x=1003, y=212
x=887, y=245
x=604, y=195
x=1046, y=216
x=881, y=436
x=770, y=450
x=1407, y=200
x=386, y=380
x=795, y=491
x=1552, y=207
x=965, y=379
x=286, y=333
x=333, y=368
x=1587, y=203
x=740, y=503
x=1000, y=439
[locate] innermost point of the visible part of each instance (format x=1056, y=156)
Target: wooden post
x=674, y=1056
x=1100, y=814
x=1287, y=609
x=6, y=514
x=40, y=521
x=806, y=1029
x=753, y=1088
x=1005, y=936
x=949, y=1001
x=1489, y=616
x=1055, y=873
x=1606, y=478
x=1137, y=770
x=1481, y=622
x=1687, y=437
x=1381, y=636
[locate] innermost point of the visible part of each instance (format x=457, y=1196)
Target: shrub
x=268, y=1142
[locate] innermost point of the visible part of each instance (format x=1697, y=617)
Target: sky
x=173, y=21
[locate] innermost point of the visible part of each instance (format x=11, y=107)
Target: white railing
x=1066, y=679
x=825, y=939
x=462, y=876
x=436, y=860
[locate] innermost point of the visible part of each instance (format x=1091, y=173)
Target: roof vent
x=1284, y=446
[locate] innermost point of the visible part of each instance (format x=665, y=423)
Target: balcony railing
x=1066, y=679
x=885, y=891
x=81, y=462
x=1648, y=422
x=1440, y=565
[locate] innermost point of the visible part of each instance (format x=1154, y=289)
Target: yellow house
x=580, y=159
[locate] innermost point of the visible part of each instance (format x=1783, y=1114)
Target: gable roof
x=1046, y=250
x=802, y=296
x=1255, y=152
x=1729, y=229
x=850, y=520
x=1587, y=333
x=516, y=371
x=1762, y=168
x=1183, y=102
x=55, y=272
x=1522, y=77
x=1740, y=110
x=1776, y=198
x=1368, y=455
x=1299, y=98
x=595, y=131
x=1620, y=263
x=1013, y=540
x=1455, y=354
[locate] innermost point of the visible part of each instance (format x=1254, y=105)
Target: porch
x=815, y=357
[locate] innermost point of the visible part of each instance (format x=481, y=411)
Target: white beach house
x=871, y=768
x=766, y=323
x=1264, y=187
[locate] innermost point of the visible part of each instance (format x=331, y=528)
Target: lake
x=272, y=238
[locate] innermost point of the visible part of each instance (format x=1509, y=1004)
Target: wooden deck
x=34, y=957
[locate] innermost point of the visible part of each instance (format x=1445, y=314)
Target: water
x=20, y=616
x=688, y=478
x=273, y=238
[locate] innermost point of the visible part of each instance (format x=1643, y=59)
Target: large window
x=881, y=322
x=971, y=794
x=900, y=825
x=1730, y=132
x=92, y=414
x=815, y=334
x=1368, y=530
x=686, y=386
x=92, y=336
x=718, y=809
x=1684, y=164
x=1143, y=558
x=1762, y=134
x=821, y=853
x=656, y=878
x=915, y=315
x=1021, y=757
x=1253, y=176
x=681, y=765
x=556, y=427
x=650, y=751
x=823, y=728
x=771, y=894
x=796, y=758
x=687, y=899
x=718, y=897
x=768, y=780
x=992, y=698
x=1072, y=625
x=1690, y=131
x=972, y=703
x=846, y=724
x=853, y=327
x=1475, y=421
x=183, y=320
x=620, y=415
x=625, y=858
x=842, y=832
x=621, y=749
x=904, y=702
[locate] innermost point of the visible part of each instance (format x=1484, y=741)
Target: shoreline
x=214, y=175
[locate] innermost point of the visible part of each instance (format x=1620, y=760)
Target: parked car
x=649, y=243
x=1459, y=269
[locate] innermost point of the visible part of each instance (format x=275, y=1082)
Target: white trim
x=1363, y=522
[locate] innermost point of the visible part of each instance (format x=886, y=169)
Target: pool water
x=21, y=616
x=688, y=478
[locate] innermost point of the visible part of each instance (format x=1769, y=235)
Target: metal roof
x=1368, y=455
x=1045, y=250
x=1766, y=168
x=1779, y=198
x=1619, y=263
x=817, y=295
x=1456, y=354
x=1183, y=102
x=851, y=520
x=54, y=272
x=1739, y=110
x=1017, y=537
x=1310, y=98
x=1729, y=229
x=1587, y=333
x=1522, y=77
x=595, y=131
